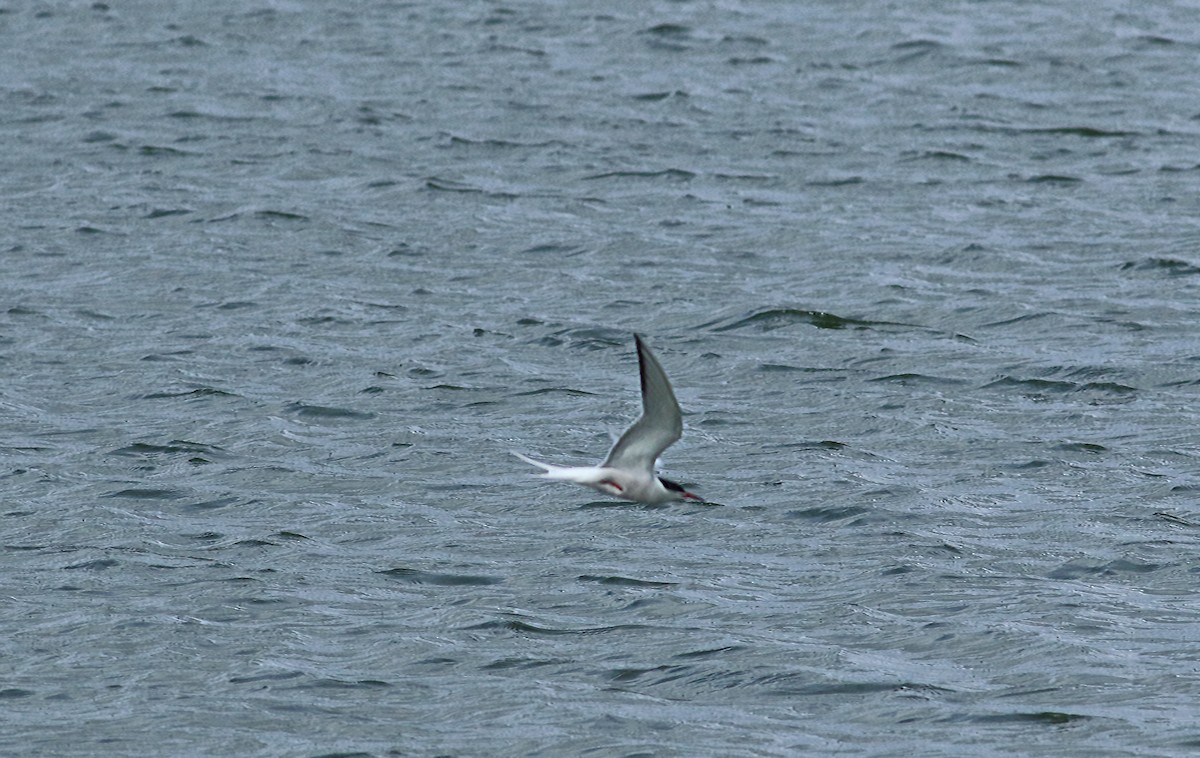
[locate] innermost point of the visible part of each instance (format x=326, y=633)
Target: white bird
x=628, y=471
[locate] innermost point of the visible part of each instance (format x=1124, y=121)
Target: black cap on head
x=673, y=486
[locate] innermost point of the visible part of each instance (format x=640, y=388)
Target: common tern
x=628, y=471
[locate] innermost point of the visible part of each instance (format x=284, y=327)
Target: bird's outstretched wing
x=660, y=424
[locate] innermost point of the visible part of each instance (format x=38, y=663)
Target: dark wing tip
x=641, y=351
x=642, y=347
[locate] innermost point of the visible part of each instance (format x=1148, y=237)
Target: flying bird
x=628, y=471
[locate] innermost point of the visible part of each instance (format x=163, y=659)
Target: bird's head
x=680, y=492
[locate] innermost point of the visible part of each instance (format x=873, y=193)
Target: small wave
x=554, y=391
x=167, y=212
x=753, y=60
x=809, y=445
x=770, y=319
x=272, y=676
x=328, y=412
x=1054, y=179
x=97, y=565
x=670, y=174
x=711, y=652
x=147, y=493
x=1081, y=447
x=1034, y=717
x=623, y=581
x=668, y=30
x=208, y=505
x=907, y=379
x=1000, y=62
x=668, y=673
x=1168, y=266
x=844, y=181
x=654, y=97
x=416, y=576
x=784, y=367
x=189, y=114
x=556, y=250
x=446, y=185
x=916, y=49
x=939, y=155
x=1090, y=132
x=590, y=338
x=1111, y=569
x=778, y=318
x=503, y=664
x=252, y=542
x=11, y=693
x=852, y=688
x=174, y=447
x=160, y=151
x=500, y=143
x=342, y=684
x=524, y=627
x=1057, y=386
x=827, y=514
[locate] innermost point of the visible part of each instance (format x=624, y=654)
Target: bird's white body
x=628, y=471
x=637, y=486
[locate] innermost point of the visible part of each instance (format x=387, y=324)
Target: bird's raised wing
x=660, y=424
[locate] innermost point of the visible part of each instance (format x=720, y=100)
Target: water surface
x=283, y=283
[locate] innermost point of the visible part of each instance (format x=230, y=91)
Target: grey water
x=283, y=282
